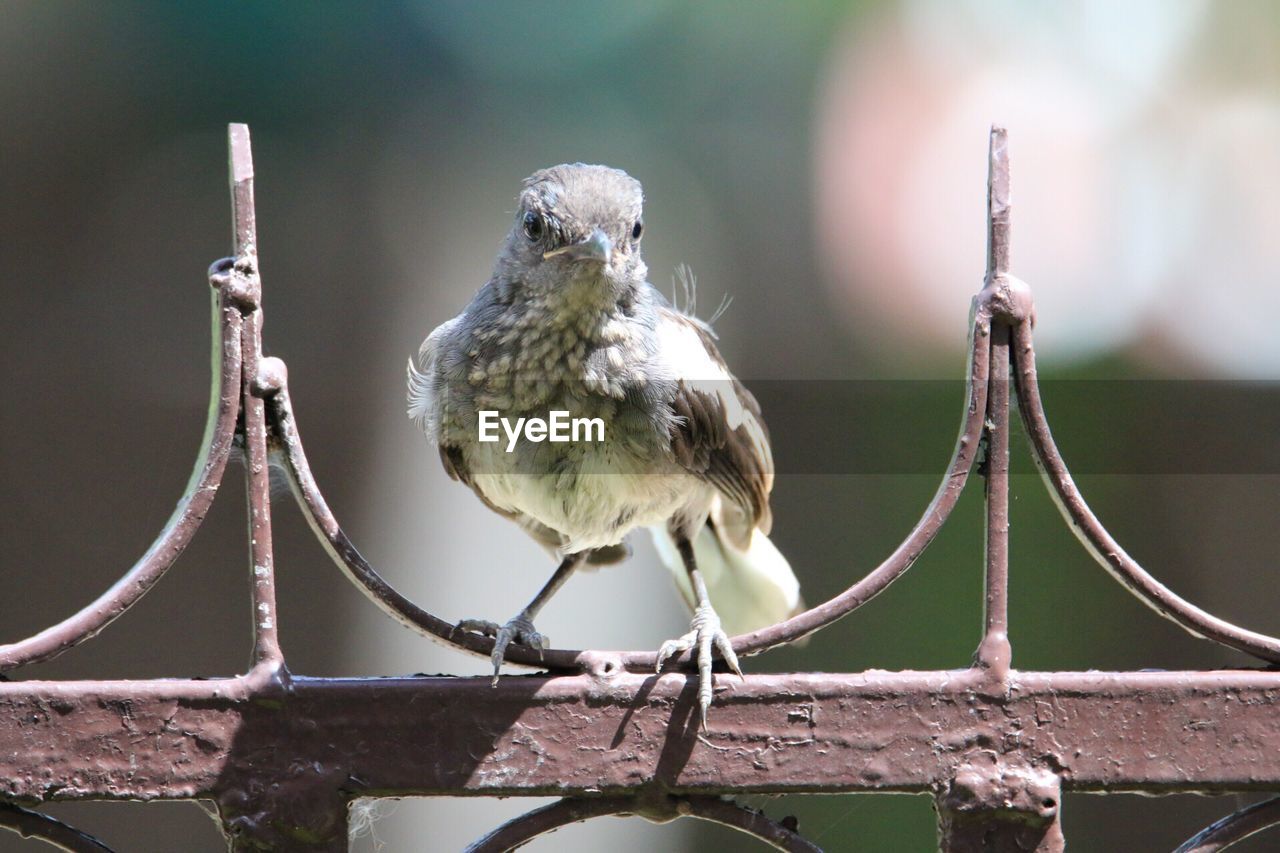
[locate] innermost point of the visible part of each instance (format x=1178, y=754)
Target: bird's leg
x=705, y=632
x=520, y=628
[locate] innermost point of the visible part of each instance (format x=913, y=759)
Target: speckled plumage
x=569, y=322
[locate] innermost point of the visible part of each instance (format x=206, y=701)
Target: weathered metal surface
x=283, y=756
x=995, y=653
x=580, y=735
x=996, y=806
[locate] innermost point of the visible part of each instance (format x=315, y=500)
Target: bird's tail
x=750, y=588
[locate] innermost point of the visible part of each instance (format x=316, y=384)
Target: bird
x=569, y=323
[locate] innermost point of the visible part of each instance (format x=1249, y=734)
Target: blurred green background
x=823, y=163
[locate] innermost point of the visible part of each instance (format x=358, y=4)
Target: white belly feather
x=598, y=495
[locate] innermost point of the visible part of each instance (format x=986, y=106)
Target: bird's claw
x=518, y=630
x=705, y=634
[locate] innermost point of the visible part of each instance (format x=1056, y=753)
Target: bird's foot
x=705, y=633
x=518, y=630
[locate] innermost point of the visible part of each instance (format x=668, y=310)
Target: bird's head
x=577, y=228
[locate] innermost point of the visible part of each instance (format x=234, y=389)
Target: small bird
x=569, y=323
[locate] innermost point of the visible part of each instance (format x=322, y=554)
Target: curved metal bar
x=219, y=431
x=29, y=824
x=542, y=821
x=985, y=303
x=939, y=509
x=1234, y=827
x=1097, y=541
x=752, y=822
x=292, y=458
x=528, y=826
x=288, y=453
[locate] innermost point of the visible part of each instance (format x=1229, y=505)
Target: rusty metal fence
x=283, y=756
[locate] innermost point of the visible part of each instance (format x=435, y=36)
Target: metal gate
x=284, y=755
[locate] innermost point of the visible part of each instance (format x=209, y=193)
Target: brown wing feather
x=736, y=460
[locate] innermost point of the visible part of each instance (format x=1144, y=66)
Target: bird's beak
x=597, y=247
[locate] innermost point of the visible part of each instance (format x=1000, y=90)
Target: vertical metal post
x=995, y=653
x=286, y=815
x=994, y=806
x=996, y=802
x=256, y=815
x=267, y=655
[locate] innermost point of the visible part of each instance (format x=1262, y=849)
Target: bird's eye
x=637, y=230
x=533, y=226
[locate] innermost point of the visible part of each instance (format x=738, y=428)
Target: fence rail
x=995, y=746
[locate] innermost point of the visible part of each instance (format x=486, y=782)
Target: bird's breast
x=593, y=495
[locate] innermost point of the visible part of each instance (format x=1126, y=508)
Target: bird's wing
x=719, y=433
x=426, y=387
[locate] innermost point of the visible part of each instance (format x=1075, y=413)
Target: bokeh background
x=821, y=162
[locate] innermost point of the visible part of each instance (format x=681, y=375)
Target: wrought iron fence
x=284, y=755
